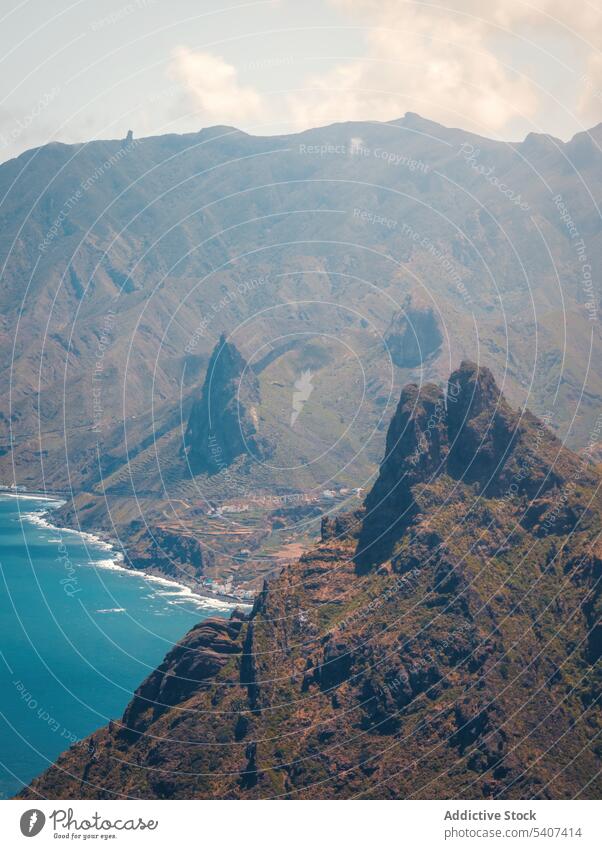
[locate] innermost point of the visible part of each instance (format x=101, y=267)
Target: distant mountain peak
x=414, y=334
x=223, y=422
x=480, y=627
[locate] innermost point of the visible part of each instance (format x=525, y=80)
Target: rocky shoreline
x=118, y=549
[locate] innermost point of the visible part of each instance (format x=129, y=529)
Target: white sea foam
x=112, y=563
x=4, y=493
x=176, y=589
x=112, y=610
x=37, y=518
x=181, y=594
x=115, y=562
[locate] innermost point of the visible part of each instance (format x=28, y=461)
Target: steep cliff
x=438, y=643
x=222, y=229
x=223, y=421
x=414, y=334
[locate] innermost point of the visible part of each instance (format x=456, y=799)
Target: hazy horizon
x=275, y=134
x=80, y=72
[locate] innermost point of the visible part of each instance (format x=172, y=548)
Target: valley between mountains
x=340, y=263
x=347, y=379
x=441, y=641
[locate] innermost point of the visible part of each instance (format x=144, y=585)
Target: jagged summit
x=460, y=667
x=416, y=449
x=474, y=387
x=481, y=426
x=223, y=422
x=459, y=435
x=469, y=438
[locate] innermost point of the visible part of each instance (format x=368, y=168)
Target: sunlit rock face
x=450, y=613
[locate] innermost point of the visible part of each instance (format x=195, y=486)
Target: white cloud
x=590, y=100
x=213, y=88
x=484, y=67
x=446, y=62
x=419, y=60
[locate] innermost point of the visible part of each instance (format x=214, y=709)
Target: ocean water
x=77, y=635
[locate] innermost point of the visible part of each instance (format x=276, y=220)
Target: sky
x=87, y=69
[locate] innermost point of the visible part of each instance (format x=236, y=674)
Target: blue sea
x=78, y=633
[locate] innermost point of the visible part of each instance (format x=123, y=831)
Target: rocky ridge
x=223, y=422
x=440, y=642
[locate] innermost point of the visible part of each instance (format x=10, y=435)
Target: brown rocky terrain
x=442, y=641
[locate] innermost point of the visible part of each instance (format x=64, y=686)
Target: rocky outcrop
x=344, y=525
x=414, y=335
x=481, y=426
x=196, y=659
x=416, y=449
x=469, y=435
x=223, y=422
x=437, y=643
x=173, y=553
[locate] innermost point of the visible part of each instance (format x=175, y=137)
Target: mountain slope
x=223, y=421
x=440, y=642
x=354, y=258
x=124, y=261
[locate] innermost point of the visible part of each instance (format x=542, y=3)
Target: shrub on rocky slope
x=438, y=643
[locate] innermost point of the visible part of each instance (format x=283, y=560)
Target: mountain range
x=236, y=357
x=354, y=257
x=442, y=640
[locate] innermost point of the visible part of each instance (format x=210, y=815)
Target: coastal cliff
x=439, y=642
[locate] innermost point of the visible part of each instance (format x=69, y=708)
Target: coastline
x=113, y=563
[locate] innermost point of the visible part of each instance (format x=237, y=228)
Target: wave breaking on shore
x=116, y=560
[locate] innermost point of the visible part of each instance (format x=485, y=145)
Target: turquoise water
x=76, y=637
